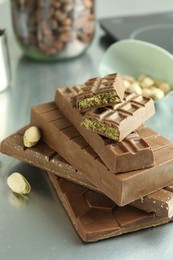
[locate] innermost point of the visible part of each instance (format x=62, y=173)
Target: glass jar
x=53, y=29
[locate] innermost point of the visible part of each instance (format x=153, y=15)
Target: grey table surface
x=38, y=227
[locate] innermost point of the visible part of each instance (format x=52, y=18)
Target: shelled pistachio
x=147, y=86
x=18, y=184
x=31, y=136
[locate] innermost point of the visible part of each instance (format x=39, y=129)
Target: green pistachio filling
x=101, y=128
x=97, y=100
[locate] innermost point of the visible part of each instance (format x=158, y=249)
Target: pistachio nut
x=18, y=184
x=31, y=136
x=147, y=86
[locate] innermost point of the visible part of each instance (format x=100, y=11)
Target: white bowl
x=135, y=57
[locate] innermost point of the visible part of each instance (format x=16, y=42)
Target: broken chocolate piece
x=118, y=122
x=122, y=188
x=100, y=92
x=114, y=154
x=160, y=202
x=96, y=217
x=42, y=156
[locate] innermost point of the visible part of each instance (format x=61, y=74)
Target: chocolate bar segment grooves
x=99, y=92
x=122, y=188
x=96, y=217
x=118, y=122
x=115, y=155
x=42, y=156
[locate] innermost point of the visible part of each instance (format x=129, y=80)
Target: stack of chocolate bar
x=112, y=173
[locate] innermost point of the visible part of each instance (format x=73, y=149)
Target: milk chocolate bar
x=122, y=188
x=96, y=217
x=114, y=154
x=100, y=92
x=116, y=122
x=42, y=156
x=120, y=120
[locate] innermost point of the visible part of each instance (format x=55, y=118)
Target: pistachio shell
x=18, y=184
x=157, y=93
x=31, y=136
x=147, y=82
x=165, y=87
x=126, y=83
x=135, y=87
